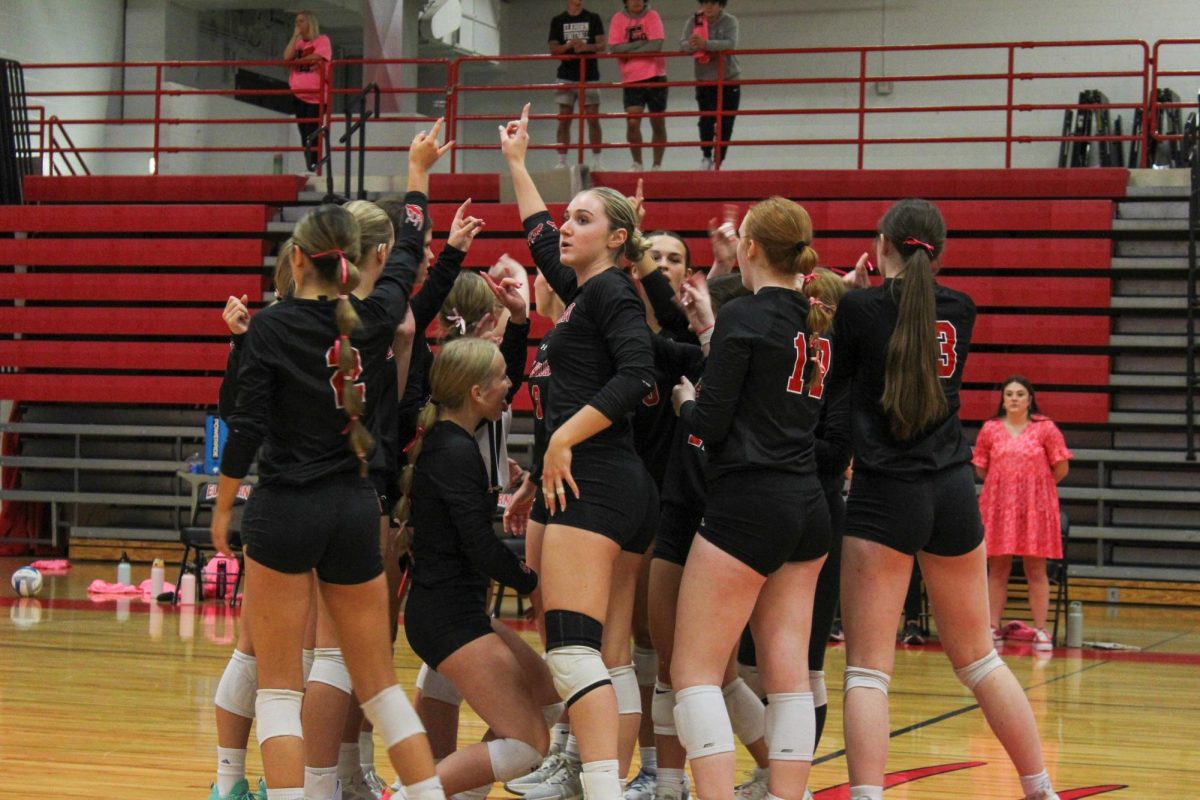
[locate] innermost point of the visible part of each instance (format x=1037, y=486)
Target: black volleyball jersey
x=683, y=482
x=539, y=396
x=425, y=305
x=762, y=392
x=662, y=301
x=654, y=420
x=454, y=544
x=289, y=388
x=863, y=326
x=600, y=353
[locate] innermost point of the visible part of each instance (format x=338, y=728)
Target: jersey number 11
x=816, y=387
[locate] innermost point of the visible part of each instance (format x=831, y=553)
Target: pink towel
x=104, y=587
x=144, y=588
x=52, y=565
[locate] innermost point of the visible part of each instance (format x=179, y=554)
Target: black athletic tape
x=586, y=689
x=568, y=628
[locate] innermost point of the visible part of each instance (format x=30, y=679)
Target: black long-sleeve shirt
x=288, y=383
x=454, y=544
x=662, y=301
x=862, y=328
x=600, y=353
x=539, y=395
x=227, y=396
x=759, y=406
x=425, y=305
x=683, y=482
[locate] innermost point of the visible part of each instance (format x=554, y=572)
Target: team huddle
x=687, y=538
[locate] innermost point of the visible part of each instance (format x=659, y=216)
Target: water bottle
x=1075, y=624
x=124, y=570
x=277, y=164
x=222, y=571
x=187, y=589
x=195, y=463
x=157, y=577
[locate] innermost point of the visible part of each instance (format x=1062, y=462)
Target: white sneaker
x=374, y=784
x=562, y=164
x=808, y=794
x=564, y=784
x=753, y=789
x=551, y=764
x=1042, y=640
x=706, y=164
x=637, y=167
x=598, y=163
x=357, y=788
x=643, y=785
x=656, y=168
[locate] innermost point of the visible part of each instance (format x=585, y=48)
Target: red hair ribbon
x=420, y=435
x=809, y=278
x=343, y=264
x=914, y=242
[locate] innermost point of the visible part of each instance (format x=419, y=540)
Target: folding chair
x=196, y=537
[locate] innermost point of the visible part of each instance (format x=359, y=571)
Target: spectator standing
x=574, y=32
x=1021, y=456
x=706, y=34
x=636, y=31
x=310, y=54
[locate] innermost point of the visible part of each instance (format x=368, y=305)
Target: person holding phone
x=707, y=34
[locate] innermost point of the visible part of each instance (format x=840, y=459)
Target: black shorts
x=765, y=518
x=331, y=526
x=677, y=528
x=648, y=94
x=439, y=621
x=617, y=497
x=539, y=513
x=937, y=513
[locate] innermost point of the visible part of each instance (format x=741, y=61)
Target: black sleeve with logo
x=454, y=542
x=662, y=301
x=762, y=392
x=833, y=430
x=227, y=396
x=654, y=419
x=289, y=387
x=539, y=395
x=862, y=328
x=513, y=348
x=683, y=483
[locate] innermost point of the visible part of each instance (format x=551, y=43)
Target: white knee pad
x=972, y=674
x=625, y=684
x=392, y=716
x=746, y=713
x=863, y=678
x=278, y=712
x=436, y=686
x=662, y=709
x=238, y=686
x=329, y=668
x=645, y=665
x=306, y=662
x=512, y=758
x=791, y=726
x=553, y=713
x=816, y=682
x=702, y=721
x=750, y=675
x=576, y=670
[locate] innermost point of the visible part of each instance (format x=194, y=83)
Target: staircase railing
x=55, y=129
x=1193, y=301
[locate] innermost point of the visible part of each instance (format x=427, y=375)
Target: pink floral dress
x=1019, y=503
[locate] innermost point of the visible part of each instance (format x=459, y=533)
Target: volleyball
x=27, y=581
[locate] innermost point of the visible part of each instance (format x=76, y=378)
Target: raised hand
x=683, y=392
x=464, y=228
x=638, y=201
x=237, y=315
x=696, y=303
x=858, y=278
x=424, y=151
x=508, y=294
x=514, y=137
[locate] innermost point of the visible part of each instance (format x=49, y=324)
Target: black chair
x=197, y=539
x=516, y=544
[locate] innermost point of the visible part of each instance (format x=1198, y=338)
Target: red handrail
x=458, y=88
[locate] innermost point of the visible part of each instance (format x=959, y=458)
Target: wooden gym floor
x=108, y=698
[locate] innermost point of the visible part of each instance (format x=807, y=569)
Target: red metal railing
x=952, y=112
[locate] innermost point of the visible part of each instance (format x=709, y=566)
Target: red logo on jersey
x=651, y=399
x=413, y=215
x=535, y=394
x=566, y=314
x=337, y=380
x=537, y=230
x=694, y=440
x=540, y=369
x=947, y=337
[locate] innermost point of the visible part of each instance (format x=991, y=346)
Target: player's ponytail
x=912, y=393
x=623, y=216
x=469, y=301
x=824, y=290
x=783, y=231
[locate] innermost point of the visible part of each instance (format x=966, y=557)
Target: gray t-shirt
x=722, y=35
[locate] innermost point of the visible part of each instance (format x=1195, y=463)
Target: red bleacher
x=121, y=279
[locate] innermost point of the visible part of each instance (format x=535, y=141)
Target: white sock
x=428, y=789
x=866, y=793
x=366, y=750
x=1031, y=785
x=349, y=761
x=231, y=768
x=670, y=780
x=285, y=794
x=649, y=758
x=572, y=747
x=478, y=793
x=601, y=781
x=558, y=736
x=306, y=662
x=320, y=783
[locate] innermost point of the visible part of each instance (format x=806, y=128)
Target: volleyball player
x=595, y=487
x=765, y=529
x=314, y=507
x=902, y=348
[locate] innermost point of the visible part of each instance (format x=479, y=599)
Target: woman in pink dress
x=1021, y=456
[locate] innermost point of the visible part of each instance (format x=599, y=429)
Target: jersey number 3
x=947, y=338
x=796, y=383
x=337, y=380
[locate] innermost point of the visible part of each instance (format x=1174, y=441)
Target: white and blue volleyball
x=27, y=581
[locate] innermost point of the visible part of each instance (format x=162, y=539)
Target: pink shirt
x=305, y=79
x=646, y=27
